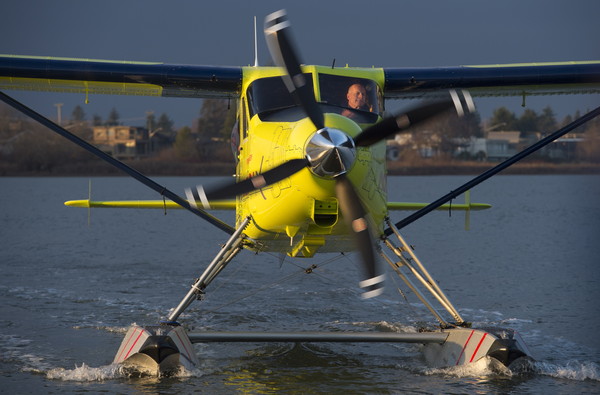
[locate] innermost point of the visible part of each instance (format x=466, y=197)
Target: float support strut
x=420, y=272
x=229, y=250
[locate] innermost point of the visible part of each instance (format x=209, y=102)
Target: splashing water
x=87, y=373
x=482, y=368
x=573, y=370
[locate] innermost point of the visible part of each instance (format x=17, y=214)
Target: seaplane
x=310, y=154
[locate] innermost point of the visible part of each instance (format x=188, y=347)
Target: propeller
x=279, y=41
x=330, y=152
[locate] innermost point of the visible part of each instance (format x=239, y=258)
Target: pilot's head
x=357, y=97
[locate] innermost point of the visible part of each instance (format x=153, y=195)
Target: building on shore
x=129, y=142
x=496, y=146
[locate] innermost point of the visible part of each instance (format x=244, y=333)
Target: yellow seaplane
x=310, y=175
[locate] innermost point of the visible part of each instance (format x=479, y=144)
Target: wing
x=173, y=80
x=495, y=80
x=118, y=78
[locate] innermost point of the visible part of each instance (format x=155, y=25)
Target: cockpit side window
x=356, y=98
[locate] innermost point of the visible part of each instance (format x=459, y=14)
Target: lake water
x=69, y=291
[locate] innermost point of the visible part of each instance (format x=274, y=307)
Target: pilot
x=357, y=99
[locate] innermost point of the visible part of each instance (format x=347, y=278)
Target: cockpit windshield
x=356, y=98
x=270, y=99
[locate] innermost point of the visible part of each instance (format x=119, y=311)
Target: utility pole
x=58, y=111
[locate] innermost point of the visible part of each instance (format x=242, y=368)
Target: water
x=69, y=291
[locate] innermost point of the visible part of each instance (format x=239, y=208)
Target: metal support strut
x=229, y=250
x=409, y=260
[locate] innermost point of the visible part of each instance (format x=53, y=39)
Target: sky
x=400, y=33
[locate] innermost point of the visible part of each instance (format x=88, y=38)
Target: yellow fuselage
x=300, y=215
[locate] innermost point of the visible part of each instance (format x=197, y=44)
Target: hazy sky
x=358, y=33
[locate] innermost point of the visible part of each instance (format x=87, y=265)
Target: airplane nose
x=330, y=152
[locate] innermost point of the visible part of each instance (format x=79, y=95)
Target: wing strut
x=494, y=170
x=116, y=163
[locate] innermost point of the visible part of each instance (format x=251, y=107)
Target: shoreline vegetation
x=155, y=167
x=445, y=145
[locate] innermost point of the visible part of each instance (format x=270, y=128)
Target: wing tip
x=78, y=203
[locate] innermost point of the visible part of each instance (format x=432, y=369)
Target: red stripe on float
x=189, y=354
x=464, y=347
x=134, y=343
x=479, y=345
x=126, y=344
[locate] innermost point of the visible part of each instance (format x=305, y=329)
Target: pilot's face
x=357, y=96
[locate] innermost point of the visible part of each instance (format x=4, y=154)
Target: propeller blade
x=355, y=216
x=392, y=125
x=229, y=191
x=284, y=54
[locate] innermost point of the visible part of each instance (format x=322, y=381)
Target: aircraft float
x=310, y=175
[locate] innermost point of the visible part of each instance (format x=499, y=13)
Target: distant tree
x=446, y=132
x=566, y=120
x=589, y=151
x=164, y=123
x=455, y=129
x=470, y=125
x=9, y=119
x=150, y=121
x=185, y=144
x=217, y=118
x=503, y=118
x=78, y=114
x=97, y=120
x=213, y=119
x=547, y=121
x=527, y=122
x=113, y=118
x=78, y=125
x=36, y=149
x=229, y=123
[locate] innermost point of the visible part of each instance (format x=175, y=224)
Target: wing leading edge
x=495, y=80
x=118, y=78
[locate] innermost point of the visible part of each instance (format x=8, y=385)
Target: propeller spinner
x=330, y=152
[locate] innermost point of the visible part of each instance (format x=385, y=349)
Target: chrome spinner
x=330, y=152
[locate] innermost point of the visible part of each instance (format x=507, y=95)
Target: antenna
x=255, y=45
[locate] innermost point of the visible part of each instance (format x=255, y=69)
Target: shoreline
x=181, y=169
x=476, y=168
